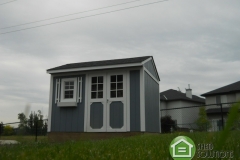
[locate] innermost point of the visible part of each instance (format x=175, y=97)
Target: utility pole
x=222, y=116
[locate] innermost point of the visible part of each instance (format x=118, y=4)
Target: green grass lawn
x=147, y=146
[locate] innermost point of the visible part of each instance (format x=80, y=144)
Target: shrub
x=8, y=130
x=202, y=121
x=167, y=123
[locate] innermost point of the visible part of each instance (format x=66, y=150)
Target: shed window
x=97, y=87
x=69, y=89
x=116, y=86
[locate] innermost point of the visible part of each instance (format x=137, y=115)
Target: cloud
x=192, y=42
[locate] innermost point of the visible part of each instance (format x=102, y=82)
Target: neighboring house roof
x=231, y=88
x=217, y=110
x=174, y=95
x=126, y=62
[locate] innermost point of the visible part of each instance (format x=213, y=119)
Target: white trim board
x=86, y=103
x=146, y=60
x=151, y=75
x=50, y=104
x=154, y=66
x=159, y=112
x=81, y=73
x=142, y=101
x=128, y=100
x=95, y=68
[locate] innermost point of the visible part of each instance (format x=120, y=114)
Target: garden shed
x=119, y=95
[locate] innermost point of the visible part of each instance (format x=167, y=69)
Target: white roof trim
x=154, y=66
x=151, y=75
x=165, y=97
x=95, y=68
x=143, y=62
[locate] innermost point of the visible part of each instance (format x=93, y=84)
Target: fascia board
x=95, y=68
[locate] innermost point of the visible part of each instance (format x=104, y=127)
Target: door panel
x=116, y=102
x=116, y=115
x=96, y=103
x=96, y=115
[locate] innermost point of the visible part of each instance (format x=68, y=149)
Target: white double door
x=106, y=106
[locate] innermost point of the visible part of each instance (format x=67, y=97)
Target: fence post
x=1, y=128
x=36, y=130
x=222, y=116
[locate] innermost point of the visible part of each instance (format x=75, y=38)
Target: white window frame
x=57, y=90
x=74, y=99
x=79, y=92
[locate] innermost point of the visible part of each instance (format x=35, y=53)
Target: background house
x=120, y=95
x=227, y=94
x=184, y=117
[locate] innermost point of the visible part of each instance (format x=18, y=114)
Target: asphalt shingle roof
x=217, y=110
x=173, y=95
x=101, y=63
x=231, y=88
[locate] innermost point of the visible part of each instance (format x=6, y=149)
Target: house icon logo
x=182, y=148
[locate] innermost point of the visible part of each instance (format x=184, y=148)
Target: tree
x=39, y=118
x=236, y=125
x=1, y=128
x=167, y=123
x=202, y=121
x=35, y=122
x=8, y=130
x=30, y=123
x=22, y=127
x=44, y=129
x=23, y=120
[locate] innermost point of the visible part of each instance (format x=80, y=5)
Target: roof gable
x=231, y=88
x=174, y=95
x=114, y=62
x=150, y=66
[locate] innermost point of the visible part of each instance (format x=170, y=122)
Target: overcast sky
x=193, y=42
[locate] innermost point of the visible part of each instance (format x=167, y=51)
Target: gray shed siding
x=152, y=117
x=135, y=101
x=68, y=119
x=149, y=66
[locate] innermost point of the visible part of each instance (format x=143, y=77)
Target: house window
x=116, y=88
x=69, y=90
x=97, y=87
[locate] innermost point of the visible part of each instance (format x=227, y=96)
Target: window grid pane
x=100, y=87
x=113, y=78
x=113, y=94
x=119, y=78
x=120, y=93
x=120, y=86
x=94, y=95
x=100, y=79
